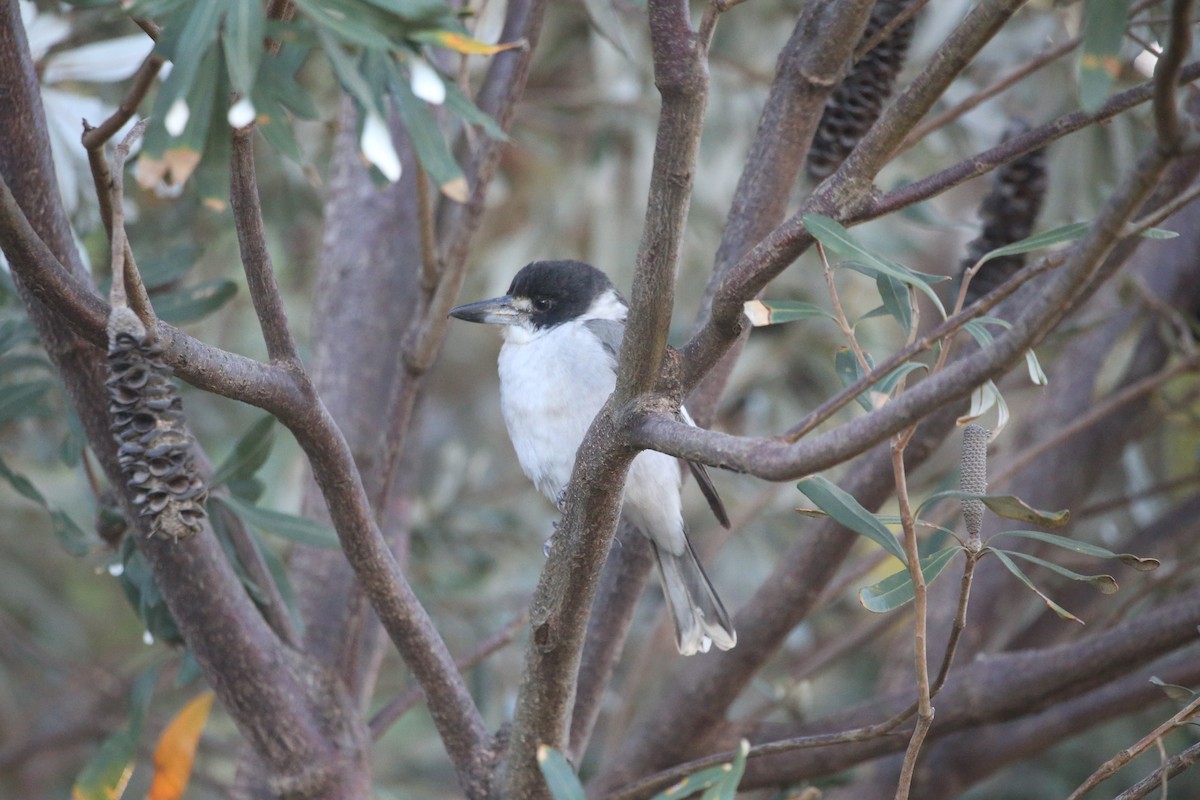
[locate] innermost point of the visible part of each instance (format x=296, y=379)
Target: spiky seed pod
x=857, y=102
x=155, y=447
x=1007, y=215
x=972, y=476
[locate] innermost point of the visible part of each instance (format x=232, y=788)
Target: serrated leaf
x=1021, y=576
x=848, y=512
x=896, y=590
x=289, y=526
x=1106, y=584
x=194, y=302
x=776, y=312
x=838, y=240
x=1085, y=548
x=462, y=43
x=1104, y=23
x=20, y=400
x=175, y=752
x=560, y=777
x=249, y=453
x=106, y=775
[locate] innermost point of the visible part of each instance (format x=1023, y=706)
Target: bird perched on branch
x=563, y=322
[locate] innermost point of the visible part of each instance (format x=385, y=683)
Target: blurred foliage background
x=572, y=185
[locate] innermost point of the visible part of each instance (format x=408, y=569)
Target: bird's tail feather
x=700, y=619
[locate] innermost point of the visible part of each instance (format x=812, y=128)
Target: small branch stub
x=973, y=478
x=155, y=452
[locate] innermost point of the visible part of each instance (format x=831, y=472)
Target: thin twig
x=988, y=92
x=920, y=618
x=906, y=13
x=1170, y=768
x=400, y=705
x=1167, y=126
x=1114, y=764
x=840, y=315
x=126, y=280
x=1096, y=414
x=431, y=267
x=95, y=138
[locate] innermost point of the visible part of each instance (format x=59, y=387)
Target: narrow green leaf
x=849, y=372
x=847, y=511
x=249, y=453
x=1106, y=584
x=169, y=266
x=888, y=382
x=194, y=302
x=289, y=526
x=725, y=787
x=1084, y=548
x=1180, y=694
x=21, y=484
x=1040, y=241
x=1158, y=233
x=347, y=71
x=1004, y=505
x=422, y=11
x=21, y=400
x=838, y=240
x=897, y=299
x=1021, y=576
x=1104, y=23
x=70, y=536
x=106, y=775
x=560, y=777
x=427, y=139
x=463, y=106
x=896, y=590
x=242, y=37
x=353, y=24
x=776, y=312
x=140, y=695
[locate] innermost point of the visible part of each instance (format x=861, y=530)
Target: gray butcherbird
x=563, y=323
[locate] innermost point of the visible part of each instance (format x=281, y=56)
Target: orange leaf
x=461, y=43
x=176, y=750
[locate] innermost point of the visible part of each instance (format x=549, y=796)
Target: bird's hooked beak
x=497, y=311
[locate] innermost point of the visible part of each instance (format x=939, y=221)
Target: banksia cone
x=1007, y=215
x=155, y=446
x=855, y=105
x=973, y=476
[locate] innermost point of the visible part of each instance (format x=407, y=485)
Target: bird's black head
x=558, y=291
x=546, y=294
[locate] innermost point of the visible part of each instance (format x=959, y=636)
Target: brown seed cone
x=1007, y=215
x=155, y=451
x=857, y=102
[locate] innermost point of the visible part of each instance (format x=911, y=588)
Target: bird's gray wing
x=704, y=481
x=610, y=332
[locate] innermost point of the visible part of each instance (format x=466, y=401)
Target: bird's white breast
x=552, y=385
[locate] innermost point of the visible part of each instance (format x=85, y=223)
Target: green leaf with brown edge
x=717, y=783
x=249, y=453
x=427, y=139
x=1003, y=505
x=106, y=775
x=1139, y=563
x=560, y=777
x=848, y=512
x=776, y=312
x=896, y=590
x=1012, y=567
x=1104, y=23
x=1105, y=584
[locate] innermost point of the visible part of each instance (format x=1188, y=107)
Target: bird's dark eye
x=542, y=303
